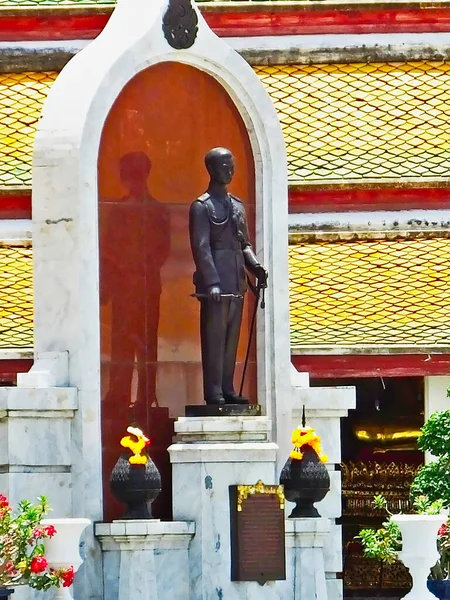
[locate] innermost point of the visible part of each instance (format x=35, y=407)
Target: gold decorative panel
x=361, y=573
x=353, y=121
x=362, y=481
x=16, y=297
x=378, y=293
x=21, y=99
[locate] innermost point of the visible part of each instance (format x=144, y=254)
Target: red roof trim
x=343, y=19
x=18, y=206
x=370, y=365
x=241, y=21
x=334, y=366
x=10, y=367
x=357, y=199
x=51, y=27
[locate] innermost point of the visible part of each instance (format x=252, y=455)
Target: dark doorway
x=379, y=456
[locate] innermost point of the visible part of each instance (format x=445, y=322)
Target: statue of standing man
x=222, y=252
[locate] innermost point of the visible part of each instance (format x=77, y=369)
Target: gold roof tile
x=16, y=297
x=379, y=293
x=21, y=99
x=403, y=104
x=340, y=121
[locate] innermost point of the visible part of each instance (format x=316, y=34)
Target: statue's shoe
x=235, y=399
x=216, y=400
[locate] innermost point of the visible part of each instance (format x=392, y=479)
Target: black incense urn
x=304, y=476
x=136, y=485
x=305, y=482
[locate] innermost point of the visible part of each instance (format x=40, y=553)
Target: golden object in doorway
x=385, y=438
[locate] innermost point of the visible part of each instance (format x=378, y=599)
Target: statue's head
x=135, y=167
x=219, y=163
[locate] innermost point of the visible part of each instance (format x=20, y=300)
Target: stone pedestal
x=305, y=540
x=210, y=455
x=145, y=559
x=325, y=407
x=36, y=446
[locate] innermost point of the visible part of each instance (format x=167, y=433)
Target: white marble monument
x=59, y=400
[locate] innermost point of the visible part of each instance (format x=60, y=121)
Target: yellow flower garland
x=306, y=436
x=135, y=446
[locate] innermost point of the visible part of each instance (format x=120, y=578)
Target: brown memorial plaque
x=257, y=533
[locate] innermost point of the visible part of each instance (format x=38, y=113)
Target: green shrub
x=433, y=479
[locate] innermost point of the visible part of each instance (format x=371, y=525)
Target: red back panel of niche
x=150, y=169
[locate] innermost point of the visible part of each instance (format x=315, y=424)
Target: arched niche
x=150, y=168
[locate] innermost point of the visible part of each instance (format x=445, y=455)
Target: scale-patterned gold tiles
x=358, y=121
x=21, y=99
x=16, y=297
x=380, y=293
x=340, y=122
x=376, y=293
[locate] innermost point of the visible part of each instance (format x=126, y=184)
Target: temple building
x=362, y=93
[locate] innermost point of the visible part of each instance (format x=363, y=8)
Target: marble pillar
x=210, y=454
x=305, y=539
x=325, y=407
x=145, y=559
x=35, y=445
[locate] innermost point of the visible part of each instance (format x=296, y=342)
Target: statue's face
x=222, y=169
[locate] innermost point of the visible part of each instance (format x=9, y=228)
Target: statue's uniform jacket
x=220, y=246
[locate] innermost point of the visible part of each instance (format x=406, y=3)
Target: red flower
x=38, y=564
x=10, y=567
x=49, y=531
x=442, y=530
x=38, y=532
x=67, y=576
x=4, y=501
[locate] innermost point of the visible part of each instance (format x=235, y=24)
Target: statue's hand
x=215, y=293
x=261, y=275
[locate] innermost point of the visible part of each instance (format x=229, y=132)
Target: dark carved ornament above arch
x=180, y=24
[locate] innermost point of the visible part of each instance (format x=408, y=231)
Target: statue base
x=223, y=410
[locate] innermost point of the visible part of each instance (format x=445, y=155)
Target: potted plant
x=423, y=535
x=433, y=479
x=22, y=548
x=419, y=546
x=397, y=539
x=438, y=580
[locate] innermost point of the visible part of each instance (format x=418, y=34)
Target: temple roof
x=370, y=292
x=16, y=297
x=341, y=122
x=378, y=293
x=21, y=99
x=358, y=121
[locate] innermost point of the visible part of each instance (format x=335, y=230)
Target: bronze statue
x=222, y=251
